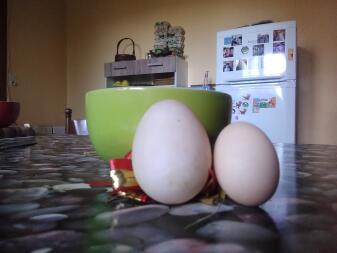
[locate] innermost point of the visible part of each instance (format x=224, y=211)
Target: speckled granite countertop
x=46, y=206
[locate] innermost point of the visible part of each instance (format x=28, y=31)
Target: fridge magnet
x=245, y=50
x=279, y=35
x=243, y=111
x=241, y=64
x=236, y=40
x=228, y=52
x=239, y=107
x=290, y=54
x=263, y=38
x=238, y=104
x=258, y=50
x=227, y=41
x=228, y=66
x=278, y=47
x=263, y=103
x=246, y=97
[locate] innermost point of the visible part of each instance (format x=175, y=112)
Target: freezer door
x=271, y=107
x=257, y=52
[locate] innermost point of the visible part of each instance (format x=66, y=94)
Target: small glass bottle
x=206, y=81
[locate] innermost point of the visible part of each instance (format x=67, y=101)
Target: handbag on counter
x=125, y=57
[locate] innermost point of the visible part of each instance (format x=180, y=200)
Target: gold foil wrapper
x=122, y=179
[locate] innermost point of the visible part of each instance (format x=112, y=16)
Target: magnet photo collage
x=236, y=54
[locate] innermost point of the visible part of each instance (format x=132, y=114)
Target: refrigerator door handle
x=252, y=81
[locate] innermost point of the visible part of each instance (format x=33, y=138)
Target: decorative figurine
x=168, y=40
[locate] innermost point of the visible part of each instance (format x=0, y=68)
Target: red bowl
x=9, y=112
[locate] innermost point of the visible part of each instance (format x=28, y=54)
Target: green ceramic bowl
x=113, y=114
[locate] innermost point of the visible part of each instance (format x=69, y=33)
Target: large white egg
x=246, y=164
x=171, y=153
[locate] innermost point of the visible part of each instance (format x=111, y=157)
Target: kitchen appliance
x=256, y=65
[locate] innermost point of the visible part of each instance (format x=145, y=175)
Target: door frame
x=3, y=50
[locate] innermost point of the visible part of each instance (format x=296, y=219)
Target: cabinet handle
x=119, y=68
x=155, y=65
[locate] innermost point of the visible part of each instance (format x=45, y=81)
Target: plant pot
x=9, y=112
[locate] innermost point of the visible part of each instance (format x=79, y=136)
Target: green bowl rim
x=217, y=93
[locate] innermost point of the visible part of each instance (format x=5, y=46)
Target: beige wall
x=37, y=50
x=93, y=28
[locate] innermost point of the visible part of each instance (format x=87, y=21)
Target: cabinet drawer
x=140, y=67
x=121, y=68
x=155, y=65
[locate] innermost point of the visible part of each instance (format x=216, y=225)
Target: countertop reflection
x=47, y=205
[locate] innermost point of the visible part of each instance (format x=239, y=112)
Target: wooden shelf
x=152, y=71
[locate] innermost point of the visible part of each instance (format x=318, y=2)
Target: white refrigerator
x=256, y=65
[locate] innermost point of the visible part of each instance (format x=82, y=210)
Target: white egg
x=171, y=153
x=246, y=164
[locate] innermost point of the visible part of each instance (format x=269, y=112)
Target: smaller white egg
x=171, y=153
x=246, y=164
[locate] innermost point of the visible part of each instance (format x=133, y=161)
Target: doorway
x=3, y=50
